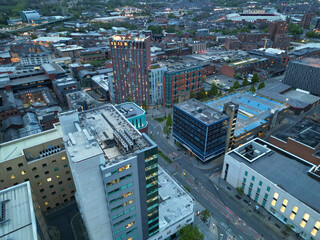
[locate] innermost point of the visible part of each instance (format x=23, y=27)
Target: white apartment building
x=156, y=76
x=284, y=184
x=122, y=193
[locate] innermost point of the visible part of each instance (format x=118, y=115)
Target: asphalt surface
x=233, y=222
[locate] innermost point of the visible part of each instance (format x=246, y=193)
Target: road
x=231, y=219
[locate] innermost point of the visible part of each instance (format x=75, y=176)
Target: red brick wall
x=227, y=70
x=296, y=148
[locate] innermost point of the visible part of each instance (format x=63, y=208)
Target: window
x=46, y=203
x=44, y=197
x=67, y=172
x=53, y=193
x=44, y=165
x=39, y=183
x=275, y=198
x=253, y=178
x=51, y=186
x=34, y=169
x=46, y=172
x=9, y=169
x=60, y=182
x=63, y=158
x=69, y=179
x=58, y=176
x=246, y=173
x=42, y=190
x=65, y=165
x=12, y=177
x=260, y=183
x=36, y=176
x=49, y=179
x=268, y=189
x=304, y=220
x=315, y=228
x=54, y=161
x=284, y=205
x=20, y=165
x=23, y=172
x=61, y=189
x=294, y=212
x=56, y=169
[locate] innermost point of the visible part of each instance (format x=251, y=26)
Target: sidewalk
x=209, y=230
x=251, y=208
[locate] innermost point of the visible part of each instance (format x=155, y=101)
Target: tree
x=238, y=76
x=171, y=15
x=169, y=120
x=219, y=94
x=32, y=36
x=191, y=94
x=202, y=94
x=294, y=29
x=166, y=130
x=245, y=82
x=231, y=89
x=189, y=232
x=205, y=214
x=145, y=106
x=252, y=89
x=261, y=85
x=255, y=78
x=236, y=85
x=213, y=91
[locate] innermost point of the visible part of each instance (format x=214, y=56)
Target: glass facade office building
x=201, y=129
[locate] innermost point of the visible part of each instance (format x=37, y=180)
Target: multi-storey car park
x=118, y=180
x=256, y=114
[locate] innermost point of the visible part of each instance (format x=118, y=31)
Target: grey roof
x=201, y=111
x=288, y=172
x=5, y=55
x=129, y=109
x=283, y=93
x=306, y=132
x=12, y=121
x=19, y=210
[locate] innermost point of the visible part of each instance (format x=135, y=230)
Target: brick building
x=232, y=43
x=181, y=78
x=301, y=139
x=306, y=19
x=131, y=59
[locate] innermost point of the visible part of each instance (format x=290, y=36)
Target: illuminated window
x=294, y=212
x=46, y=203
x=275, y=198
x=304, y=220
x=284, y=205
x=315, y=228
x=23, y=172
x=129, y=225
x=63, y=158
x=49, y=179
x=58, y=176
x=12, y=177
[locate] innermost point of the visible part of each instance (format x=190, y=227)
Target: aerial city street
x=159, y=120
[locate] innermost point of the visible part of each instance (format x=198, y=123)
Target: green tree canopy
x=261, y=85
x=213, y=91
x=155, y=29
x=294, y=29
x=191, y=94
x=145, y=106
x=205, y=214
x=255, y=78
x=190, y=232
x=236, y=85
x=245, y=82
x=202, y=94
x=238, y=75
x=252, y=89
x=169, y=120
x=166, y=130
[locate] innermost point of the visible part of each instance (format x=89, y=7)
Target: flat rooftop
x=312, y=62
x=175, y=203
x=130, y=109
x=13, y=149
x=103, y=130
x=245, y=61
x=203, y=112
x=18, y=211
x=307, y=132
x=284, y=93
x=282, y=168
x=253, y=109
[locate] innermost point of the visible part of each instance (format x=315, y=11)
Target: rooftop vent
x=199, y=109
